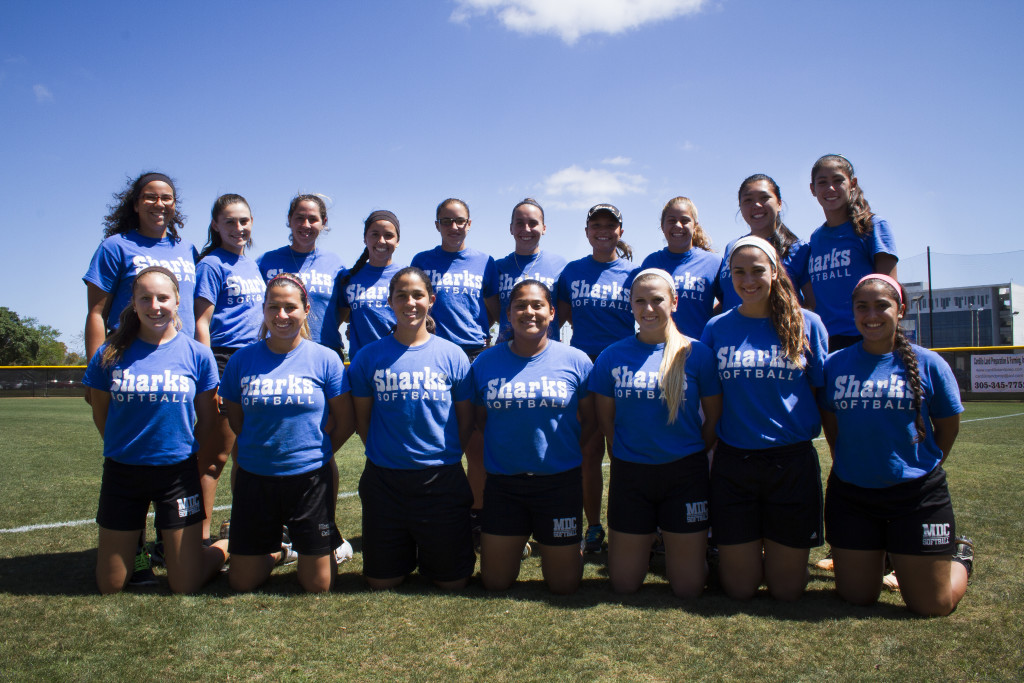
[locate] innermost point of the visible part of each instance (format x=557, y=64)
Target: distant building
x=982, y=315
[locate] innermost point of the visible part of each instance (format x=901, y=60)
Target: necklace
x=522, y=269
x=299, y=268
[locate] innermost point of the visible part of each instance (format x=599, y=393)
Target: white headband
x=659, y=273
x=762, y=244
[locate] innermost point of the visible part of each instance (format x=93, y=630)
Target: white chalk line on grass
x=346, y=494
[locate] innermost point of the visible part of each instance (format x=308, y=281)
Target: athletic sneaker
x=474, y=525
x=142, y=574
x=964, y=553
x=826, y=563
x=593, y=540
x=658, y=546
x=288, y=556
x=225, y=529
x=527, y=551
x=156, y=553
x=343, y=553
x=891, y=582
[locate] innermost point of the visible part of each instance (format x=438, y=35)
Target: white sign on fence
x=997, y=372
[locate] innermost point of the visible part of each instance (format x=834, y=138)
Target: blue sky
x=398, y=105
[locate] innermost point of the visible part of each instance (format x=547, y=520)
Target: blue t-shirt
x=412, y=423
x=599, y=296
x=694, y=273
x=235, y=287
x=284, y=401
x=318, y=269
x=839, y=259
x=366, y=294
x=628, y=371
x=531, y=405
x=152, y=413
x=543, y=266
x=795, y=264
x=876, y=446
x=767, y=400
x=461, y=280
x=119, y=258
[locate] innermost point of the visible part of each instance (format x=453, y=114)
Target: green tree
x=25, y=342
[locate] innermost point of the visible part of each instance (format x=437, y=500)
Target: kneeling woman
x=765, y=480
x=280, y=394
x=533, y=407
x=149, y=429
x=650, y=390
x=887, y=489
x=411, y=395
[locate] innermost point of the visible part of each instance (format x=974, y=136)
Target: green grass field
x=55, y=626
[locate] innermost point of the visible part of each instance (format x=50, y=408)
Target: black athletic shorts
x=673, y=496
x=911, y=518
x=547, y=506
x=127, y=490
x=771, y=493
x=416, y=518
x=841, y=341
x=261, y=505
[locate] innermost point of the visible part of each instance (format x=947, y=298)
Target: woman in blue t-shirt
x=318, y=268
x=285, y=401
x=761, y=207
x=765, y=478
x=691, y=263
x=593, y=296
x=658, y=400
x=414, y=413
x=229, y=310
x=534, y=409
x=363, y=290
x=891, y=412
x=152, y=394
x=852, y=243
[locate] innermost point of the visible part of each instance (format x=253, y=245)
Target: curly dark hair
x=124, y=218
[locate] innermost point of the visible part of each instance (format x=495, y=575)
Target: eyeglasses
x=150, y=198
x=447, y=222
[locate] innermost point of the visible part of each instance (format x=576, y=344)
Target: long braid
x=356, y=267
x=903, y=349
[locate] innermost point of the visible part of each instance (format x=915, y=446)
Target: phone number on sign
x=981, y=386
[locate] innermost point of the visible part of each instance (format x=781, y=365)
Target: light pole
x=917, y=300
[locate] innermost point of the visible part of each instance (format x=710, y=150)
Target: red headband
x=294, y=279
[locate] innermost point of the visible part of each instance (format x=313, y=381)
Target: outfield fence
x=42, y=380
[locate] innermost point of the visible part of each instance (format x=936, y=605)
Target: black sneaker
x=474, y=526
x=964, y=553
x=593, y=540
x=142, y=575
x=156, y=553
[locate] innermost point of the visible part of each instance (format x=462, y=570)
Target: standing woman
x=690, y=261
x=761, y=206
x=363, y=291
x=280, y=395
x=229, y=311
x=534, y=409
x=593, y=295
x=466, y=284
x=527, y=261
x=765, y=478
x=141, y=230
x=152, y=394
x=891, y=412
x=414, y=413
x=658, y=399
x=318, y=268
x=852, y=243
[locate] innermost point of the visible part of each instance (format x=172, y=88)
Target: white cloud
x=579, y=188
x=43, y=94
x=617, y=161
x=572, y=19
